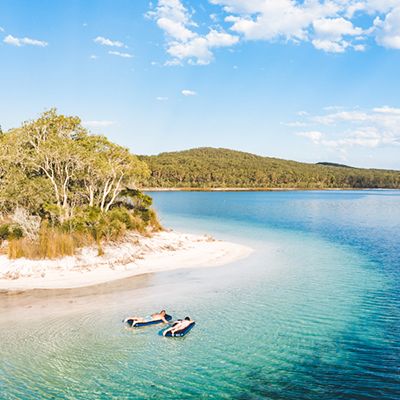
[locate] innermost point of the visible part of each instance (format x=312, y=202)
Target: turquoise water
x=313, y=313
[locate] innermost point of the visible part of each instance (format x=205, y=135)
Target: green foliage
x=133, y=198
x=54, y=165
x=80, y=185
x=213, y=168
x=4, y=232
x=111, y=225
x=10, y=232
x=154, y=221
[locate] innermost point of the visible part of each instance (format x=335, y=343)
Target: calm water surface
x=313, y=313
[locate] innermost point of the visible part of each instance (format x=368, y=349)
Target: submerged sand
x=138, y=255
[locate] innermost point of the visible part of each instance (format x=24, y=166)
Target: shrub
x=154, y=221
x=111, y=230
x=122, y=215
x=10, y=231
x=4, y=232
x=88, y=226
x=137, y=224
x=84, y=220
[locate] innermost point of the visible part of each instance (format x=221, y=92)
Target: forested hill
x=211, y=168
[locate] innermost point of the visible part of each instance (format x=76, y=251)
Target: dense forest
x=62, y=188
x=212, y=168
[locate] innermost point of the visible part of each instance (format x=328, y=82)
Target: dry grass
x=51, y=244
x=155, y=222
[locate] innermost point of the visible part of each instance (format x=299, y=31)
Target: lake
x=313, y=313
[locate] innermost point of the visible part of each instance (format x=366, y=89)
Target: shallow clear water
x=313, y=313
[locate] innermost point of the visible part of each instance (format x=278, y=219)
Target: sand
x=164, y=251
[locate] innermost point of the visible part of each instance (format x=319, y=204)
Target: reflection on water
x=310, y=314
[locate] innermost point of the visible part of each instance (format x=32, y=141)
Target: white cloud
x=330, y=46
x=183, y=43
x=387, y=110
x=302, y=113
x=381, y=6
x=314, y=136
x=379, y=126
x=273, y=20
x=119, y=54
x=341, y=116
x=329, y=25
x=330, y=32
x=14, y=41
x=359, y=47
x=172, y=17
x=368, y=137
x=1, y=29
x=220, y=39
x=335, y=28
x=196, y=49
x=213, y=17
x=175, y=29
x=388, y=29
x=108, y=42
x=187, y=92
x=98, y=123
x=173, y=63
x=93, y=57
x=161, y=98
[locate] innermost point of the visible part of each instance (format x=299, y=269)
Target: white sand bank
x=140, y=255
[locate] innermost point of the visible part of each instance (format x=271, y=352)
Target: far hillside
x=223, y=168
x=332, y=164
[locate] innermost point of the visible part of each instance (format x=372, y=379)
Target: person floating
x=159, y=317
x=180, y=327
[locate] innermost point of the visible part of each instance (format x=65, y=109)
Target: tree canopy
x=59, y=181
x=54, y=165
x=212, y=168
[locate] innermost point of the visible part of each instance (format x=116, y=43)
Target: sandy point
x=164, y=251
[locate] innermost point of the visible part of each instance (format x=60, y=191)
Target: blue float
x=182, y=332
x=133, y=324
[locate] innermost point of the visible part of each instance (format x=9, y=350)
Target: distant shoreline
x=194, y=189
x=221, y=169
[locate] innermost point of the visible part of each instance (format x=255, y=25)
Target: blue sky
x=305, y=80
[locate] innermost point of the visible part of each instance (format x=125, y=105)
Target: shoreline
x=164, y=251
x=232, y=189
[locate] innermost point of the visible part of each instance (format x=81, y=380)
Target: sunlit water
x=313, y=313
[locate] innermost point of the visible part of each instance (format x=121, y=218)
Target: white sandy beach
x=163, y=251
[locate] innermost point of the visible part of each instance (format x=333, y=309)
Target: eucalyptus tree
x=54, y=164
x=108, y=170
x=48, y=148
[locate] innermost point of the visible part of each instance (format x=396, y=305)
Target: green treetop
x=54, y=163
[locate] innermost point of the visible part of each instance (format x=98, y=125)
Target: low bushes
x=110, y=226
x=88, y=227
x=10, y=232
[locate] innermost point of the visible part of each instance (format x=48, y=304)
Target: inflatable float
x=131, y=322
x=180, y=333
